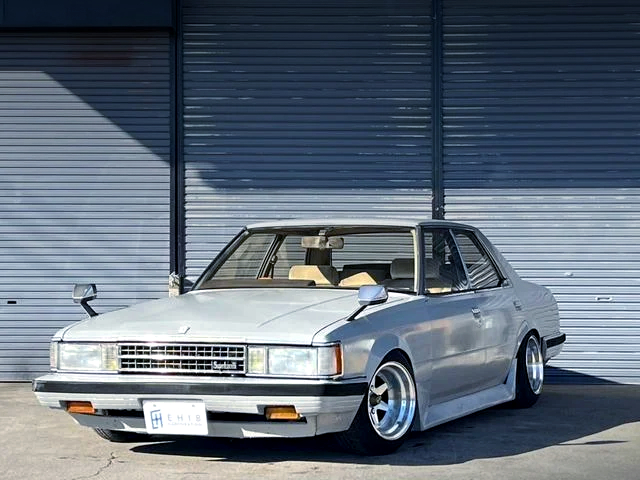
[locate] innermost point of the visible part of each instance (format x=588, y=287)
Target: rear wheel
x=386, y=414
x=530, y=372
x=118, y=436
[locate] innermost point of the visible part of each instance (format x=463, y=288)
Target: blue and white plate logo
x=175, y=417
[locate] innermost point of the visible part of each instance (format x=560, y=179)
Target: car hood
x=253, y=315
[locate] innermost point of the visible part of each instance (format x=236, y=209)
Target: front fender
x=381, y=348
x=368, y=340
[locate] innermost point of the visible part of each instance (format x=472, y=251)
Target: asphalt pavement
x=573, y=432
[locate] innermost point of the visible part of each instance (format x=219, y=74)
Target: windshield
x=327, y=258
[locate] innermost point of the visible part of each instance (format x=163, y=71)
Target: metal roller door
x=542, y=122
x=300, y=108
x=84, y=181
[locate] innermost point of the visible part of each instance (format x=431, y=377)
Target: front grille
x=180, y=358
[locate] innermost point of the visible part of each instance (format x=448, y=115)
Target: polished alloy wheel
x=392, y=401
x=535, y=365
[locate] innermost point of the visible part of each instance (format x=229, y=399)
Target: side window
x=482, y=273
x=443, y=268
x=247, y=259
x=289, y=254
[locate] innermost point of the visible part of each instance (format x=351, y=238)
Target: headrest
x=402, y=268
x=321, y=274
x=431, y=268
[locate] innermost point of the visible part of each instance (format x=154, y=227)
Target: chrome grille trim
x=196, y=358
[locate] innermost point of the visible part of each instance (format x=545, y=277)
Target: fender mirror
x=83, y=293
x=369, y=295
x=179, y=284
x=372, y=295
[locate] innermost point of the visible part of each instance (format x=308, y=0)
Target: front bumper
x=325, y=406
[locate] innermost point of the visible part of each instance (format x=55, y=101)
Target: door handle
x=517, y=304
x=477, y=315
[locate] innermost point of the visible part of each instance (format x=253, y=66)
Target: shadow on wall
x=564, y=415
x=84, y=161
x=85, y=134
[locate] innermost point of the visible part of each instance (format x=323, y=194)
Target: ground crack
x=112, y=457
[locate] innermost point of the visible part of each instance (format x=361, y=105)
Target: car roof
x=355, y=222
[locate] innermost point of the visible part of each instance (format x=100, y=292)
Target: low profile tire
x=386, y=414
x=530, y=372
x=117, y=436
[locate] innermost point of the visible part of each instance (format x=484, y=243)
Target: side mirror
x=84, y=293
x=369, y=295
x=372, y=295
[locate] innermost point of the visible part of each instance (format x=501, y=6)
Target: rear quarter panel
x=540, y=310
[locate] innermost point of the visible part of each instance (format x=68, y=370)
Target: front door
x=457, y=346
x=495, y=307
x=457, y=343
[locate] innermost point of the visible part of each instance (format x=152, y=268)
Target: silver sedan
x=363, y=329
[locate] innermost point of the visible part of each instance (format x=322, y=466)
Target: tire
x=529, y=373
x=118, y=436
x=387, y=411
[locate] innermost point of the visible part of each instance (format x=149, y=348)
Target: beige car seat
x=321, y=274
x=435, y=282
x=356, y=277
x=402, y=274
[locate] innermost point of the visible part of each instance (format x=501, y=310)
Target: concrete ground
x=573, y=432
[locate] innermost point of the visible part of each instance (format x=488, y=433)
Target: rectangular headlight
x=292, y=361
x=296, y=361
x=87, y=357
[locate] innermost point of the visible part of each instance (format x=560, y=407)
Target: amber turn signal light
x=281, y=413
x=81, y=407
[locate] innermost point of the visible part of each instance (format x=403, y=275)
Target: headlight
x=85, y=357
x=295, y=361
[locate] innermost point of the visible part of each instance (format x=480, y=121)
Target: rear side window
x=482, y=273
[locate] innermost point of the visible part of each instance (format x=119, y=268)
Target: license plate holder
x=175, y=417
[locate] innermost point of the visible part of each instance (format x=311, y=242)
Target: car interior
x=322, y=260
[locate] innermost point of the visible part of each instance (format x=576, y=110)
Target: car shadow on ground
x=565, y=414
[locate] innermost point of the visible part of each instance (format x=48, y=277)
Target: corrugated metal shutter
x=542, y=136
x=84, y=181
x=296, y=108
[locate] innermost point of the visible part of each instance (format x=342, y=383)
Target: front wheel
x=530, y=372
x=386, y=414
